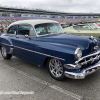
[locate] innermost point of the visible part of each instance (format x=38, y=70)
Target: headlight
x=78, y=53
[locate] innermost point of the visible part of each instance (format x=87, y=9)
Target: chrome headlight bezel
x=78, y=53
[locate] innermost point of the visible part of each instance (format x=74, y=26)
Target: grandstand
x=11, y=14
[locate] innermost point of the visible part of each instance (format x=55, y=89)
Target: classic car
x=89, y=29
x=98, y=24
x=44, y=42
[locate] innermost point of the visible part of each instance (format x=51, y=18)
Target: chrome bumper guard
x=84, y=72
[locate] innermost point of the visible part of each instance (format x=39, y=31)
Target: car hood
x=84, y=42
x=69, y=39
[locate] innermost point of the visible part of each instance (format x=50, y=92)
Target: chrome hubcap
x=4, y=53
x=55, y=67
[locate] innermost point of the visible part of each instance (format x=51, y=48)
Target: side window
x=76, y=27
x=12, y=30
x=84, y=27
x=23, y=30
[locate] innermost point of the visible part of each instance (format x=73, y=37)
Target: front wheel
x=56, y=69
x=4, y=53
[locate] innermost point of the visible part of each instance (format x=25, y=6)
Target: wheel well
x=46, y=60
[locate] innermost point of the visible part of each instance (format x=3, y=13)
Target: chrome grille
x=89, y=59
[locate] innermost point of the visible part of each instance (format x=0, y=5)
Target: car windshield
x=48, y=28
x=94, y=26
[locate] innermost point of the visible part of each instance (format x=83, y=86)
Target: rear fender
x=6, y=42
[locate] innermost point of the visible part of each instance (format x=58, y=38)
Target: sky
x=56, y=5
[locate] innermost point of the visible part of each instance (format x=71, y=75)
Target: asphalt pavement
x=18, y=76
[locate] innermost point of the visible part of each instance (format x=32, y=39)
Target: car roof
x=32, y=22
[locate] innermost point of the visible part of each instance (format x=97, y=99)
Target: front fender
x=65, y=53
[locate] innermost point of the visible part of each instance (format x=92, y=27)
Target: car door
x=97, y=33
x=23, y=44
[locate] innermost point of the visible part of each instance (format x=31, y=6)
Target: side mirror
x=26, y=36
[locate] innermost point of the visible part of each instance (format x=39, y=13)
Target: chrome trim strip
x=35, y=52
x=85, y=61
x=84, y=72
x=39, y=53
x=71, y=66
x=96, y=53
x=6, y=44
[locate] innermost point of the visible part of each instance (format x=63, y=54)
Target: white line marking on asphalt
x=45, y=83
x=66, y=92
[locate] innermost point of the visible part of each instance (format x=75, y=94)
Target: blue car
x=43, y=42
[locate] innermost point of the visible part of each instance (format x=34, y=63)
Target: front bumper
x=84, y=72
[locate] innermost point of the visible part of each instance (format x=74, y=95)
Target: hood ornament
x=93, y=38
